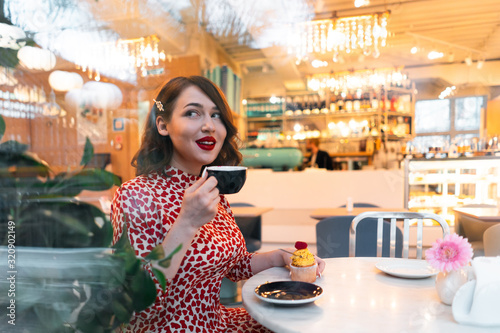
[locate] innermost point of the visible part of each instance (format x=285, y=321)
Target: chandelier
x=365, y=33
x=123, y=58
x=362, y=79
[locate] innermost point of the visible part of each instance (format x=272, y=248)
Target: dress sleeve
x=133, y=207
x=242, y=270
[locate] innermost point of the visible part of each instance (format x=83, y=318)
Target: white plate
x=407, y=268
x=288, y=292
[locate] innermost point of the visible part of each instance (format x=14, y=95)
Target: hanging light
x=126, y=56
x=65, y=81
x=36, y=58
x=362, y=79
x=365, y=33
x=11, y=37
x=435, y=55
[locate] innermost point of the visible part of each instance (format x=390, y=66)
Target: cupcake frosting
x=302, y=256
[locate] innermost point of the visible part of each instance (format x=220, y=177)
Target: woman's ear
x=161, y=125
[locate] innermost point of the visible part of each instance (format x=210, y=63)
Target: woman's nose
x=208, y=126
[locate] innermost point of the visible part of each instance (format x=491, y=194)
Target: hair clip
x=159, y=106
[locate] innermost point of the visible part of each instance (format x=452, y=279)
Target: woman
x=189, y=127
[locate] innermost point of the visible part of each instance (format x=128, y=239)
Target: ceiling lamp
x=361, y=3
x=94, y=95
x=435, y=55
x=11, y=37
x=365, y=33
x=36, y=58
x=128, y=56
x=65, y=81
x=362, y=79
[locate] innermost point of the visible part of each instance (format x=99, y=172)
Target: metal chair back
x=332, y=238
x=394, y=217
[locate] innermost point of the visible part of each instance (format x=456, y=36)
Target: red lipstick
x=206, y=143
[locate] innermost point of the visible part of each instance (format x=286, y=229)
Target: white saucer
x=407, y=268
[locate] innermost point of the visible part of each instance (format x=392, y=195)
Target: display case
x=439, y=185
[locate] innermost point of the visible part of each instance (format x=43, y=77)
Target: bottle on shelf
x=374, y=102
x=383, y=103
x=394, y=103
x=349, y=103
x=333, y=104
x=340, y=102
x=356, y=104
x=307, y=105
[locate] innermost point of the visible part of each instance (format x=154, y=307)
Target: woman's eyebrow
x=198, y=105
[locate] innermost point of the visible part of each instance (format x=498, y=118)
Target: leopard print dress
x=190, y=302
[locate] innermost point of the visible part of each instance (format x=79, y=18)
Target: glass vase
x=448, y=283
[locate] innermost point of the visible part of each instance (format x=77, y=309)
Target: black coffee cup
x=230, y=179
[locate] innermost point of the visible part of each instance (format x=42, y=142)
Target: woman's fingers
x=321, y=266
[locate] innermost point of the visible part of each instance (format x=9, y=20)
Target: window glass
x=468, y=113
x=422, y=143
x=432, y=116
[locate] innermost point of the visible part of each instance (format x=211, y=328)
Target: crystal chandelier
x=125, y=57
x=362, y=79
x=365, y=33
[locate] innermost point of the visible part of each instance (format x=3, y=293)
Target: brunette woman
x=189, y=126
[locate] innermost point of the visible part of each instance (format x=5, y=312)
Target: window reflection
x=432, y=116
x=468, y=113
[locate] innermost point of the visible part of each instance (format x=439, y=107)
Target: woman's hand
x=199, y=205
x=321, y=266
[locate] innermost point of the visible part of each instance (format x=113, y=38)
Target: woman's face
x=196, y=130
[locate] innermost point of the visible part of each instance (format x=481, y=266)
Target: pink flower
x=448, y=254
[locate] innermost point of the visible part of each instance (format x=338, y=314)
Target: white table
x=486, y=214
x=250, y=211
x=358, y=298
x=323, y=213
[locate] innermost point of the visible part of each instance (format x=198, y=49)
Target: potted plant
x=64, y=277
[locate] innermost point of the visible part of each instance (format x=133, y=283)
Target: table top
x=322, y=213
x=250, y=211
x=482, y=213
x=357, y=298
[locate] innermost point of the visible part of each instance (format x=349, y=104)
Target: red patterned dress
x=191, y=301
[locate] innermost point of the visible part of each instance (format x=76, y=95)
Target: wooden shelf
x=352, y=154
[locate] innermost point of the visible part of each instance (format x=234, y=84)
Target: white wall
x=294, y=195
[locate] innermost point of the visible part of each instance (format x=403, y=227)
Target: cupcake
x=303, y=267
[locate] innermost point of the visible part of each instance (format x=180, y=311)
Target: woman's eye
x=191, y=113
x=217, y=115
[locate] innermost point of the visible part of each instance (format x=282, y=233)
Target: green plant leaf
x=86, y=179
x=161, y=278
x=88, y=152
x=8, y=57
x=165, y=263
x=122, y=314
x=143, y=291
x=156, y=253
x=13, y=147
x=2, y=127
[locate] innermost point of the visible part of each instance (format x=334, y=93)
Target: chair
x=394, y=216
x=361, y=204
x=472, y=228
x=491, y=241
x=459, y=222
x=251, y=228
x=332, y=238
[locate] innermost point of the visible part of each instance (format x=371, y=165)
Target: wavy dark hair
x=156, y=151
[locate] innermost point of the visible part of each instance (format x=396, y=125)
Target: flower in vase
x=450, y=253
